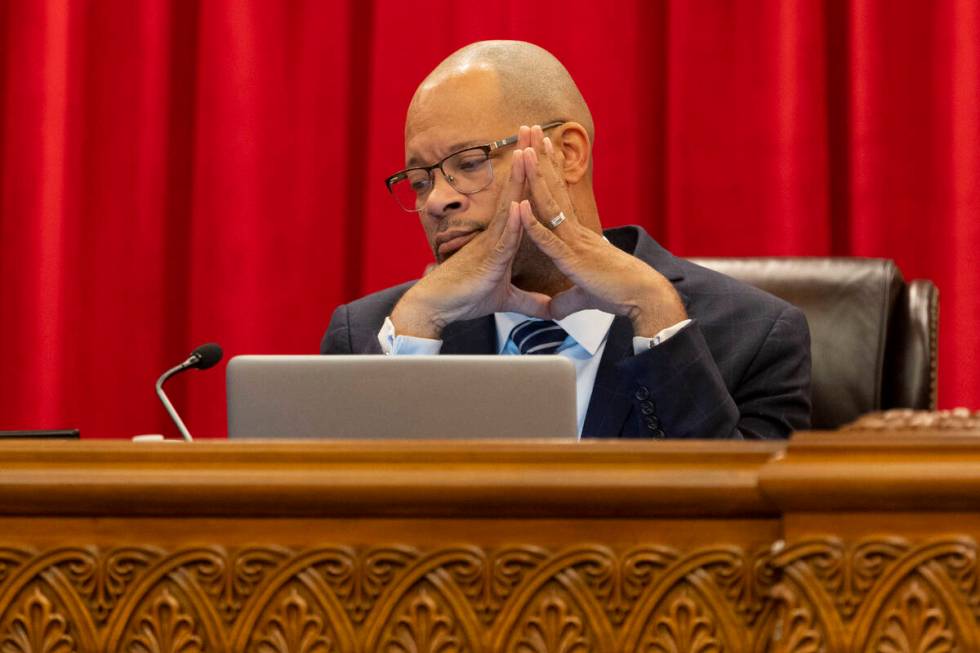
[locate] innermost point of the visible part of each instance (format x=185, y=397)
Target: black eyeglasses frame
x=487, y=149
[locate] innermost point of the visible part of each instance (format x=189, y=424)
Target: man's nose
x=443, y=199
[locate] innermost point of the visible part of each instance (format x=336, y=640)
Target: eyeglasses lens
x=411, y=188
x=468, y=172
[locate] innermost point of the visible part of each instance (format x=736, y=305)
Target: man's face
x=459, y=111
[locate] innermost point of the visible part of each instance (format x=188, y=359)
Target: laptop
x=364, y=397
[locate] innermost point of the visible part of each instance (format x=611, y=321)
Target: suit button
x=643, y=393
x=646, y=407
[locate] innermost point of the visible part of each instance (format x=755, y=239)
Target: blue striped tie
x=538, y=337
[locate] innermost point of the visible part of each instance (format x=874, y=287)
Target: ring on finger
x=557, y=220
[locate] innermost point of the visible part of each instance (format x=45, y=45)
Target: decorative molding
x=553, y=626
x=916, y=624
x=906, y=419
x=230, y=578
x=359, y=577
x=820, y=594
x=164, y=626
x=683, y=627
x=489, y=578
x=745, y=580
x=102, y=579
x=36, y=627
x=423, y=626
x=795, y=629
x=10, y=559
x=845, y=572
x=294, y=628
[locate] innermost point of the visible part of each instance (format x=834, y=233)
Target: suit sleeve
x=337, y=338
x=679, y=392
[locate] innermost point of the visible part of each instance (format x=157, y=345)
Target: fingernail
x=548, y=147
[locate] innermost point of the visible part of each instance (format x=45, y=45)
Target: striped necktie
x=538, y=337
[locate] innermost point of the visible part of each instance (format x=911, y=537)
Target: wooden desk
x=836, y=542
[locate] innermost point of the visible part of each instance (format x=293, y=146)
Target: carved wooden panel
x=881, y=594
x=906, y=419
x=393, y=598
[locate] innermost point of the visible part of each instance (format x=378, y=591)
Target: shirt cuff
x=641, y=344
x=396, y=345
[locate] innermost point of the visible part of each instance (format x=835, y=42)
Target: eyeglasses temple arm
x=504, y=142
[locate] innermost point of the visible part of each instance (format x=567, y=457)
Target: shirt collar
x=588, y=328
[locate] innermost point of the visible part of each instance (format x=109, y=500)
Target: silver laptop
x=440, y=397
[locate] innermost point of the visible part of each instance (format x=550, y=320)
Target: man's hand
x=605, y=277
x=475, y=281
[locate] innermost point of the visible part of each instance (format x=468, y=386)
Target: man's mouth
x=450, y=242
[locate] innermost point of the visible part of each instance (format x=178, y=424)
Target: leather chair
x=873, y=336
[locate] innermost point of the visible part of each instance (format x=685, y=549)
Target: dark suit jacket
x=741, y=369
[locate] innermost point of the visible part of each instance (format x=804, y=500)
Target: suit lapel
x=477, y=336
x=635, y=241
x=610, y=402
x=611, y=396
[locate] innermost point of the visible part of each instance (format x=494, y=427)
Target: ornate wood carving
x=795, y=629
x=36, y=627
x=882, y=594
x=553, y=626
x=101, y=580
x=488, y=578
x=423, y=625
x=294, y=627
x=230, y=578
x=906, y=419
x=164, y=626
x=683, y=627
x=916, y=624
x=359, y=577
x=845, y=572
x=495, y=547
x=10, y=559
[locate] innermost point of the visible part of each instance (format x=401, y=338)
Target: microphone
x=201, y=358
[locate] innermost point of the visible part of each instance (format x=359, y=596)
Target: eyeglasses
x=468, y=171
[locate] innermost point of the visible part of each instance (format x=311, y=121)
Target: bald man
x=498, y=149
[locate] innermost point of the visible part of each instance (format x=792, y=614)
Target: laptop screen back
x=439, y=397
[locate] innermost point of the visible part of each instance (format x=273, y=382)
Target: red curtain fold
x=174, y=172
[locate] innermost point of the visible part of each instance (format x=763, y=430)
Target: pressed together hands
x=476, y=280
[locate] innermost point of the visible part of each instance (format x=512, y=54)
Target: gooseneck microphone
x=201, y=358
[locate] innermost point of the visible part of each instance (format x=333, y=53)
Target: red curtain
x=176, y=172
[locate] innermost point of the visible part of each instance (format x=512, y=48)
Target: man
x=662, y=347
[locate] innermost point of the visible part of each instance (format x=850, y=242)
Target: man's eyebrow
x=455, y=147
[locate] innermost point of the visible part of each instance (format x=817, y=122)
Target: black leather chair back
x=874, y=337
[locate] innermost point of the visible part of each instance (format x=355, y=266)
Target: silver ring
x=557, y=220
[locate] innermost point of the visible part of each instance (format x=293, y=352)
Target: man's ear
x=573, y=141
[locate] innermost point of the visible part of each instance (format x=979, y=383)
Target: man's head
x=483, y=93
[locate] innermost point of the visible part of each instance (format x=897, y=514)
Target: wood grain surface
x=831, y=542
